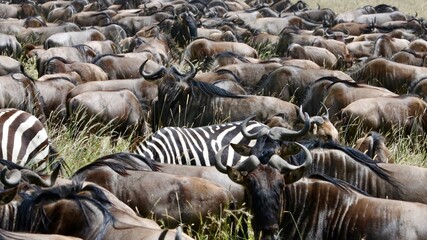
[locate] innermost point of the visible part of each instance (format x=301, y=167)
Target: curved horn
x=326, y=115
x=153, y=76
x=248, y=135
x=281, y=133
x=279, y=163
x=317, y=120
x=34, y=178
x=13, y=179
x=192, y=72
x=218, y=163
x=247, y=165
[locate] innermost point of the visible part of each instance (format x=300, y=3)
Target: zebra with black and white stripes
x=24, y=139
x=196, y=146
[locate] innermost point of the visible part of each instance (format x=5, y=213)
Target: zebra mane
x=212, y=90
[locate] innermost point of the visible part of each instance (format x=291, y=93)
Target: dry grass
x=408, y=7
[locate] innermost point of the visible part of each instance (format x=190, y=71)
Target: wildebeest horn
x=192, y=72
x=153, y=76
x=218, y=163
x=248, y=135
x=279, y=163
x=246, y=165
x=34, y=178
x=326, y=115
x=12, y=180
x=281, y=133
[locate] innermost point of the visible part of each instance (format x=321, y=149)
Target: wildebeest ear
x=294, y=175
x=235, y=175
x=8, y=195
x=241, y=149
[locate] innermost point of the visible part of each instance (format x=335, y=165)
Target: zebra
x=195, y=146
x=24, y=140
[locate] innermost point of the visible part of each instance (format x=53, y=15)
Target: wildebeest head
x=184, y=29
x=265, y=185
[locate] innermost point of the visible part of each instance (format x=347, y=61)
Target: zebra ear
x=241, y=149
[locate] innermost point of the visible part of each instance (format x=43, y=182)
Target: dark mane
x=415, y=83
x=338, y=183
x=120, y=163
x=226, y=71
x=231, y=54
x=31, y=216
x=355, y=154
x=213, y=91
x=10, y=164
x=348, y=83
x=96, y=59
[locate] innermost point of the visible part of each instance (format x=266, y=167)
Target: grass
x=83, y=148
x=408, y=7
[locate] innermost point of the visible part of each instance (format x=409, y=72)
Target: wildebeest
x=69, y=39
x=9, y=45
x=122, y=67
x=396, y=77
x=182, y=101
x=114, y=112
x=54, y=89
x=386, y=46
x=336, y=94
x=19, y=91
x=144, y=91
x=290, y=83
x=38, y=36
x=406, y=113
x=77, y=53
x=200, y=49
x=9, y=65
x=84, y=72
x=322, y=56
x=373, y=145
x=419, y=88
x=96, y=214
x=410, y=57
x=181, y=199
x=288, y=210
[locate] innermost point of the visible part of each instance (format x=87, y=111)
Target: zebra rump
x=23, y=139
x=196, y=146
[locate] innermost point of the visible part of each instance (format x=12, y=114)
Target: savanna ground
x=85, y=148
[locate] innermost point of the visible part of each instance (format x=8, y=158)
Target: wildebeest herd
x=226, y=104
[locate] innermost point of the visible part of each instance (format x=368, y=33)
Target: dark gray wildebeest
x=9, y=45
x=319, y=207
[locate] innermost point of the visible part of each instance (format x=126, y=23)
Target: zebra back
x=23, y=139
x=195, y=146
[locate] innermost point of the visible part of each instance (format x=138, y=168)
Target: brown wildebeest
x=373, y=145
x=406, y=113
x=195, y=103
x=171, y=199
x=288, y=210
x=96, y=214
x=116, y=112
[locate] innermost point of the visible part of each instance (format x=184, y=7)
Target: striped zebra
x=195, y=146
x=24, y=139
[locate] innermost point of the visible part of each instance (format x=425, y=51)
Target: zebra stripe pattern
x=195, y=146
x=23, y=139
